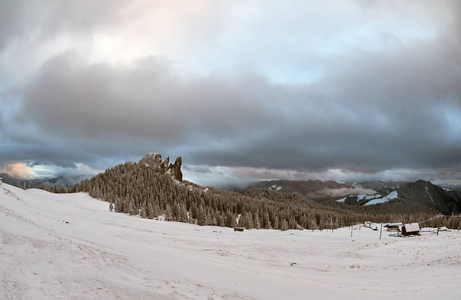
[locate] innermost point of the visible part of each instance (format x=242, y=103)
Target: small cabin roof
x=413, y=227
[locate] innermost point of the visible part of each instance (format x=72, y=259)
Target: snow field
x=374, y=199
x=70, y=246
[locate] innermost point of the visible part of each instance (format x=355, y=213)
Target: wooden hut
x=393, y=227
x=410, y=229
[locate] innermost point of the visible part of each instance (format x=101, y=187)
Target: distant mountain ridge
x=418, y=196
x=313, y=189
x=63, y=180
x=320, y=191
x=445, y=202
x=452, y=187
x=420, y=192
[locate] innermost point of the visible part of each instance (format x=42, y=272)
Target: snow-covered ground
x=374, y=199
x=275, y=187
x=69, y=246
x=391, y=196
x=360, y=197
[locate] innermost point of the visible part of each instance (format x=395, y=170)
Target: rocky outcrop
x=154, y=160
x=175, y=169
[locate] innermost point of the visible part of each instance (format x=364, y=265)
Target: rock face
x=154, y=160
x=175, y=169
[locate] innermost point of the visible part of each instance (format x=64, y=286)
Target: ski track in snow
x=70, y=246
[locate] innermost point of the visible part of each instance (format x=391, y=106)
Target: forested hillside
x=151, y=189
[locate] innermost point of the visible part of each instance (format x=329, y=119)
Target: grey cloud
x=57, y=154
x=11, y=17
x=36, y=20
x=87, y=112
x=197, y=169
x=64, y=164
x=382, y=111
x=148, y=100
x=374, y=114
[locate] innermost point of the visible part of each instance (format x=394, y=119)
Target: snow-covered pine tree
x=284, y=226
x=150, y=211
x=143, y=213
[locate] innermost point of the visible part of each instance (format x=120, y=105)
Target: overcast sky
x=242, y=90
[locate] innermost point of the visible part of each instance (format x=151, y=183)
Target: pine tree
x=292, y=223
x=201, y=216
x=230, y=220
x=243, y=221
x=284, y=226
x=150, y=211
x=222, y=220
x=313, y=224
x=257, y=224
x=250, y=222
x=143, y=213
x=266, y=221
x=131, y=209
x=168, y=213
x=276, y=222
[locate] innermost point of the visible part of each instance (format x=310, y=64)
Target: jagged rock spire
x=154, y=160
x=175, y=169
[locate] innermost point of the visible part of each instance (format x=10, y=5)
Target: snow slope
x=69, y=246
x=392, y=195
x=359, y=197
x=374, y=199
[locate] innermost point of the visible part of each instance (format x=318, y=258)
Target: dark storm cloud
x=72, y=109
x=147, y=100
x=55, y=153
x=382, y=111
x=375, y=113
